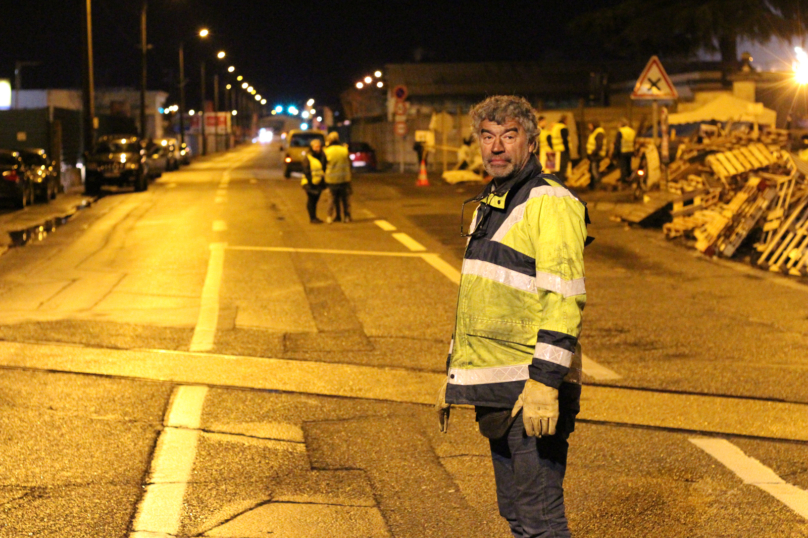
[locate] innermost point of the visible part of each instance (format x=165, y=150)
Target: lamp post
x=87, y=79
x=182, y=92
x=204, y=144
x=144, y=47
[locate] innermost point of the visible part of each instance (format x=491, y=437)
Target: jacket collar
x=496, y=194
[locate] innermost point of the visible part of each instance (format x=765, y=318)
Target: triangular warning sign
x=654, y=83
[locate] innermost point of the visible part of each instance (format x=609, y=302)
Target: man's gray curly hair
x=500, y=109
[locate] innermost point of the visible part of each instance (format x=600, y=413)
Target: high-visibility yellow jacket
x=338, y=169
x=544, y=144
x=556, y=138
x=627, y=136
x=317, y=172
x=522, y=292
x=592, y=144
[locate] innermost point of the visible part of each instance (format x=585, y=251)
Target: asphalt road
x=199, y=359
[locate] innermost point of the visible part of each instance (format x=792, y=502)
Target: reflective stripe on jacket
x=627, y=135
x=521, y=294
x=338, y=169
x=555, y=136
x=317, y=171
x=592, y=143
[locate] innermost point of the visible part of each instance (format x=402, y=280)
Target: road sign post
x=655, y=84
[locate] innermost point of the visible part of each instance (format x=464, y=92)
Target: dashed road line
x=205, y=330
x=384, y=225
x=598, y=371
x=752, y=472
x=327, y=251
x=444, y=267
x=219, y=226
x=160, y=510
x=409, y=242
x=220, y=199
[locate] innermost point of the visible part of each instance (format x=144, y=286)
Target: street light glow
x=257, y=97
x=220, y=55
x=244, y=85
x=368, y=79
x=263, y=101
x=359, y=85
x=250, y=89
x=231, y=68
x=310, y=102
x=278, y=108
x=380, y=84
x=377, y=74
x=203, y=32
x=304, y=114
x=800, y=66
x=239, y=78
x=191, y=112
x=304, y=126
x=235, y=112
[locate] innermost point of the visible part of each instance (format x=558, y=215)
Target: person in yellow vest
x=624, y=148
x=595, y=152
x=314, y=166
x=560, y=143
x=338, y=179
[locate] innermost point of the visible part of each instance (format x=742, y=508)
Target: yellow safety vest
x=317, y=172
x=338, y=169
x=591, y=143
x=627, y=135
x=558, y=142
x=544, y=146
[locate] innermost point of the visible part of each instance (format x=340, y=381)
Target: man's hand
x=442, y=408
x=539, y=405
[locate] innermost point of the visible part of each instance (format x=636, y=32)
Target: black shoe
x=316, y=221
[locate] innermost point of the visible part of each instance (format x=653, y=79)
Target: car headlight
x=131, y=166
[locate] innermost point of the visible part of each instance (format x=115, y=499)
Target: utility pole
x=182, y=92
x=88, y=92
x=204, y=143
x=144, y=47
x=216, y=110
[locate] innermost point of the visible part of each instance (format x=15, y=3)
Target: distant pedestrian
x=421, y=151
x=595, y=152
x=624, y=148
x=560, y=144
x=313, y=183
x=464, y=154
x=514, y=353
x=544, y=145
x=338, y=179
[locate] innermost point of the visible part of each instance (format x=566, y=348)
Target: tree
x=686, y=27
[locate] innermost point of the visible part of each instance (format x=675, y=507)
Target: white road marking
x=752, y=472
x=409, y=242
x=219, y=226
x=444, y=267
x=384, y=225
x=160, y=510
x=598, y=371
x=221, y=192
x=328, y=251
x=220, y=199
x=205, y=329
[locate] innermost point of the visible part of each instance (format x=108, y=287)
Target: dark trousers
x=563, y=161
x=340, y=206
x=594, y=172
x=311, y=203
x=530, y=472
x=625, y=166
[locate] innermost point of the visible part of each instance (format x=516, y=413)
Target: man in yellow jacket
x=338, y=179
x=514, y=353
x=595, y=151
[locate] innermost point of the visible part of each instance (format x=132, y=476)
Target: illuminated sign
x=5, y=93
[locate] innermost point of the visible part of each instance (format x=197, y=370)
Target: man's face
x=316, y=145
x=505, y=147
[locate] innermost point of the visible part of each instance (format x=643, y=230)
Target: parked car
x=44, y=173
x=172, y=151
x=16, y=179
x=362, y=156
x=157, y=159
x=116, y=160
x=185, y=153
x=297, y=144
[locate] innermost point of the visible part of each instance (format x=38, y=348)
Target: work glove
x=539, y=406
x=442, y=408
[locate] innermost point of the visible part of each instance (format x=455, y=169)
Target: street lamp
x=203, y=32
x=377, y=74
x=244, y=86
x=231, y=69
x=380, y=84
x=360, y=85
x=368, y=80
x=310, y=102
x=220, y=55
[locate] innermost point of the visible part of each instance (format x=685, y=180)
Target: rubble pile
x=721, y=193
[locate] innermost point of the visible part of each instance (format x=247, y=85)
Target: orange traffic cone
x=423, y=180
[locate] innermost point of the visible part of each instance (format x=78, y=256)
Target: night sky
x=288, y=50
